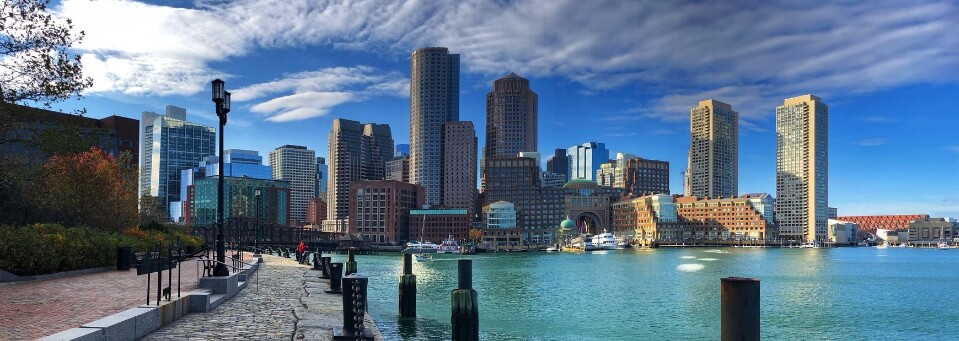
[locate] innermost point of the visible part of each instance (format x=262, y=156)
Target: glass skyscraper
x=585, y=160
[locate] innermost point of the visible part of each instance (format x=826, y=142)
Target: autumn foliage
x=89, y=189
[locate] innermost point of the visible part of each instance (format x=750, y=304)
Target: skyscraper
x=434, y=100
x=356, y=152
x=585, y=159
x=713, y=169
x=511, y=118
x=558, y=163
x=319, y=190
x=297, y=165
x=402, y=149
x=802, y=173
x=170, y=144
x=459, y=165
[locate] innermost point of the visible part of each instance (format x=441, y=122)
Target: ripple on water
x=688, y=257
x=709, y=259
x=690, y=267
x=716, y=251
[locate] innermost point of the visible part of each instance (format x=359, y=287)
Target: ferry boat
x=422, y=257
x=583, y=243
x=421, y=247
x=449, y=246
x=604, y=241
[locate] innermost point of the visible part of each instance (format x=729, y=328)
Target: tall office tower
x=558, y=163
x=434, y=100
x=585, y=159
x=459, y=165
x=511, y=118
x=319, y=190
x=170, y=144
x=356, y=152
x=297, y=165
x=402, y=149
x=398, y=169
x=802, y=173
x=237, y=163
x=713, y=150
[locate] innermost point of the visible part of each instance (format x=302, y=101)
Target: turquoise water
x=673, y=294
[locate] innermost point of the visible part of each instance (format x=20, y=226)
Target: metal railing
x=210, y=263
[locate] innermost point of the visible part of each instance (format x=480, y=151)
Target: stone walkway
x=34, y=309
x=289, y=304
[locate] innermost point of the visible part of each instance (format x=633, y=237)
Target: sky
x=625, y=73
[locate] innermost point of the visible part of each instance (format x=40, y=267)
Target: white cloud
x=301, y=106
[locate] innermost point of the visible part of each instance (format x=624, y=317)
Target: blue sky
x=623, y=73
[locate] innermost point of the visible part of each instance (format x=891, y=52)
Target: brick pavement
x=34, y=309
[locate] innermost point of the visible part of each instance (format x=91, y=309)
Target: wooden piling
x=350, y=267
x=407, y=288
x=740, y=308
x=464, y=316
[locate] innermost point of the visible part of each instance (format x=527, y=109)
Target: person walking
x=299, y=251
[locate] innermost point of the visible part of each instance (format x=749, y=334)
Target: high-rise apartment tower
x=802, y=173
x=713, y=169
x=297, y=165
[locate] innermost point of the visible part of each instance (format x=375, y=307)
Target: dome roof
x=580, y=183
x=567, y=224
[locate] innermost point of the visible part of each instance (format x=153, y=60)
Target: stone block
x=119, y=326
x=77, y=334
x=199, y=301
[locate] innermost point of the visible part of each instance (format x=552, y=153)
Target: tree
x=476, y=235
x=151, y=211
x=88, y=189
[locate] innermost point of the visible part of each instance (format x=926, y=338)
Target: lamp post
x=221, y=98
x=256, y=241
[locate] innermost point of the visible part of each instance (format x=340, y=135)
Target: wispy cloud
x=750, y=59
x=872, y=142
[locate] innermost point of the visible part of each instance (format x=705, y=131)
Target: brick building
x=436, y=225
x=380, y=209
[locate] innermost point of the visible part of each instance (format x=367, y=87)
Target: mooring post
x=350, y=263
x=740, y=308
x=316, y=258
x=325, y=267
x=465, y=312
x=407, y=288
x=354, y=310
x=336, y=274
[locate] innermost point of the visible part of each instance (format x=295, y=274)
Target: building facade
x=320, y=182
x=239, y=200
x=843, y=232
x=585, y=160
x=872, y=223
x=516, y=180
x=236, y=163
x=170, y=144
x=713, y=168
x=434, y=100
x=511, y=118
x=646, y=219
x=727, y=219
x=296, y=165
x=316, y=212
x=436, y=225
x=398, y=169
x=459, y=165
x=802, y=173
x=636, y=175
x=499, y=224
x=356, y=152
x=379, y=210
x=558, y=163
x=929, y=230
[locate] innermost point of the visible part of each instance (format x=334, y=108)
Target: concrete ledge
x=130, y=324
x=77, y=334
x=9, y=277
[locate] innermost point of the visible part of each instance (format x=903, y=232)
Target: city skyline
x=888, y=107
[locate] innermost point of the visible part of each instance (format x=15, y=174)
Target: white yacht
x=583, y=243
x=604, y=241
x=449, y=246
x=421, y=247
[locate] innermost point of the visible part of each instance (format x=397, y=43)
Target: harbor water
x=673, y=293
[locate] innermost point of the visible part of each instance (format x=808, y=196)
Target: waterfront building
x=316, y=212
x=550, y=179
x=843, y=232
x=636, y=175
x=296, y=165
x=239, y=200
x=459, y=165
x=646, y=219
x=320, y=182
x=511, y=117
x=170, y=144
x=713, y=169
x=932, y=230
x=402, y=149
x=802, y=174
x=356, y=152
x=727, y=219
x=871, y=223
x=379, y=210
x=764, y=204
x=436, y=225
x=499, y=224
x=434, y=100
x=833, y=212
x=588, y=205
x=516, y=180
x=398, y=169
x=236, y=163
x=585, y=160
x=558, y=163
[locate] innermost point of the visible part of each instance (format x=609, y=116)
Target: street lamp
x=256, y=241
x=221, y=98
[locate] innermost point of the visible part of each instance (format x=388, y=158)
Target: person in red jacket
x=300, y=250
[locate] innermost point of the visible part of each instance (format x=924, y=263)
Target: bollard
x=740, y=308
x=325, y=267
x=407, y=288
x=336, y=274
x=464, y=316
x=316, y=259
x=350, y=263
x=354, y=310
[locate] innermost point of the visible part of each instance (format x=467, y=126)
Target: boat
x=604, y=241
x=449, y=246
x=583, y=243
x=882, y=245
x=421, y=247
x=552, y=248
x=423, y=257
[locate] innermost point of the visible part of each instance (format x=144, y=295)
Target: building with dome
x=588, y=205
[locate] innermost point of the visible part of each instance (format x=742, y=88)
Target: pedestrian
x=300, y=250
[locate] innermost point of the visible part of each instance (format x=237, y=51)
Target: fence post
x=407, y=288
x=336, y=274
x=465, y=312
x=350, y=263
x=354, y=310
x=740, y=308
